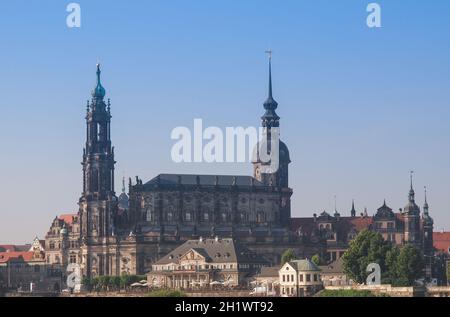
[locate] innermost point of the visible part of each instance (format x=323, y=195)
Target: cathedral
x=113, y=235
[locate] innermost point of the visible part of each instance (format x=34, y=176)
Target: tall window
x=149, y=214
x=188, y=216
x=169, y=215
x=260, y=217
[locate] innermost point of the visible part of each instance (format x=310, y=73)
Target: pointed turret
x=353, y=211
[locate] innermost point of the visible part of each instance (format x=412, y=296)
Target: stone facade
x=113, y=235
x=206, y=263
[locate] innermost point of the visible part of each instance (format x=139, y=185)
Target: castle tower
x=427, y=224
x=411, y=215
x=98, y=202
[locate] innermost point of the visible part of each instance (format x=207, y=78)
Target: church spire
x=353, y=211
x=270, y=118
x=411, y=191
x=425, y=205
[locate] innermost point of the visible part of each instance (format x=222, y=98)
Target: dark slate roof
x=204, y=180
x=384, y=212
x=269, y=271
x=334, y=267
x=304, y=265
x=215, y=251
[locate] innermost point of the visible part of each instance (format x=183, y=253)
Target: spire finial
x=353, y=211
x=425, y=189
x=411, y=176
x=411, y=191
x=123, y=184
x=270, y=118
x=269, y=54
x=98, y=73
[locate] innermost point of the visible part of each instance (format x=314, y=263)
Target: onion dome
x=99, y=92
x=63, y=231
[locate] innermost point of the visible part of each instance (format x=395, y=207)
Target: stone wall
x=383, y=289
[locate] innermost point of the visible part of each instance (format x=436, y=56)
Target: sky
x=360, y=107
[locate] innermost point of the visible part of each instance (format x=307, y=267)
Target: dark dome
x=384, y=212
x=412, y=208
x=284, y=152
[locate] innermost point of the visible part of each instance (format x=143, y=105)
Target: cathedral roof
x=204, y=180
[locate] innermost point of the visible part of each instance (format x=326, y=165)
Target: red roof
x=14, y=247
x=441, y=241
x=67, y=218
x=308, y=224
x=8, y=256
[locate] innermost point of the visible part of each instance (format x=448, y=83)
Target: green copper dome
x=99, y=92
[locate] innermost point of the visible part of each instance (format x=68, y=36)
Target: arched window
x=188, y=216
x=224, y=217
x=260, y=217
x=169, y=216
x=149, y=215
x=205, y=216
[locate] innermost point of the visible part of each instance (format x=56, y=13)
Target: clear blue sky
x=360, y=107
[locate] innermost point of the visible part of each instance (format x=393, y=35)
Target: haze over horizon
x=360, y=108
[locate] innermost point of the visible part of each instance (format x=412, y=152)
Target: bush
x=166, y=293
x=347, y=293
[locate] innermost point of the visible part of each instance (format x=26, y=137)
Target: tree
x=317, y=259
x=409, y=266
x=367, y=247
x=287, y=256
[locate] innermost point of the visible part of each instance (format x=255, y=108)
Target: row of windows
x=302, y=277
x=194, y=267
x=149, y=215
x=146, y=201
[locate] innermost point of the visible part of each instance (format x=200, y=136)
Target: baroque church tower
x=273, y=175
x=411, y=215
x=98, y=202
x=277, y=176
